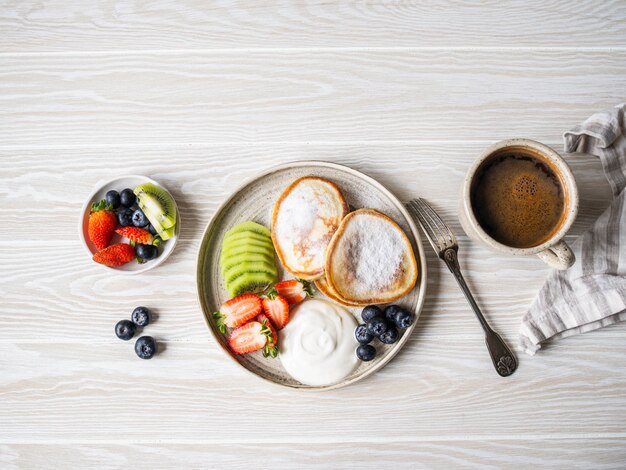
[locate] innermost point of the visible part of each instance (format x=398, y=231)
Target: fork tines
x=438, y=233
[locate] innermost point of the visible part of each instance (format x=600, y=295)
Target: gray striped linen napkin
x=592, y=293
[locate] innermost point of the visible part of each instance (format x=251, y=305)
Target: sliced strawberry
x=135, y=234
x=249, y=337
x=277, y=309
x=237, y=311
x=294, y=290
x=115, y=255
x=271, y=348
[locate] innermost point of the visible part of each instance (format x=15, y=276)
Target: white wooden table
x=203, y=95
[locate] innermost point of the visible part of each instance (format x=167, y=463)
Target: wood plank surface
x=203, y=96
x=73, y=25
x=601, y=453
x=432, y=390
x=329, y=96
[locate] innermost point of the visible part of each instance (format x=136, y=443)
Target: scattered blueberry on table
x=125, y=329
x=141, y=316
x=145, y=347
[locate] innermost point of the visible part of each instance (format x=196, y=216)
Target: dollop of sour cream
x=317, y=347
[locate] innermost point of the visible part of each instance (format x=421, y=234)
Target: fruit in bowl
x=130, y=224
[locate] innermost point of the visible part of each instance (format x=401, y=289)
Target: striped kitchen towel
x=592, y=293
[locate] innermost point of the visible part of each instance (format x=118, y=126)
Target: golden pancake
x=322, y=285
x=305, y=217
x=370, y=260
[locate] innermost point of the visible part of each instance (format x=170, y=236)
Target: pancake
x=370, y=259
x=322, y=285
x=305, y=217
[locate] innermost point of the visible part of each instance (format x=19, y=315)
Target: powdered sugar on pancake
x=375, y=250
x=307, y=218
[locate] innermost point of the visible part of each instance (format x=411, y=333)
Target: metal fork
x=445, y=245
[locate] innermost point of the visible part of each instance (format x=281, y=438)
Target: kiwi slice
x=231, y=261
x=242, y=249
x=250, y=282
x=157, y=204
x=251, y=242
x=237, y=270
x=246, y=235
x=249, y=226
x=168, y=233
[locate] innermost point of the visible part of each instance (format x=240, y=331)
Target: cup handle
x=558, y=256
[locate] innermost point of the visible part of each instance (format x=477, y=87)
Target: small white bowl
x=130, y=181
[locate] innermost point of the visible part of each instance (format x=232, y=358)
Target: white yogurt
x=317, y=347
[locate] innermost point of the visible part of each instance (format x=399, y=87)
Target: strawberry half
x=294, y=290
x=237, y=311
x=135, y=234
x=115, y=255
x=101, y=225
x=249, y=337
x=277, y=308
x=271, y=348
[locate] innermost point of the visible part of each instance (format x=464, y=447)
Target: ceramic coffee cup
x=555, y=252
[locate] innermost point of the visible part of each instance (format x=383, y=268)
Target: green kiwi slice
x=237, y=270
x=246, y=257
x=250, y=282
x=249, y=226
x=246, y=235
x=228, y=244
x=157, y=204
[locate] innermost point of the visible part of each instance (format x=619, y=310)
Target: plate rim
x=422, y=281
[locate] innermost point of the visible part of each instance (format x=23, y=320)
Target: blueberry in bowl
x=140, y=219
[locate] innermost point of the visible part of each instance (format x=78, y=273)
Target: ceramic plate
x=254, y=201
x=119, y=184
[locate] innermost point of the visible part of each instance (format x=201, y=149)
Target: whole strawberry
x=115, y=255
x=102, y=223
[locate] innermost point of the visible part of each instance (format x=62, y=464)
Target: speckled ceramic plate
x=254, y=201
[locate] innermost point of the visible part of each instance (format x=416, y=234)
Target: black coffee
x=518, y=200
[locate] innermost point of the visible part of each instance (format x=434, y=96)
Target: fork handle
x=503, y=359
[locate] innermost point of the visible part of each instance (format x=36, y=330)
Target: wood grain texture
x=202, y=97
x=72, y=25
x=431, y=391
x=341, y=96
x=552, y=453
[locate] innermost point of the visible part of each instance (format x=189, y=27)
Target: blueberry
x=145, y=347
x=125, y=329
x=140, y=316
x=125, y=217
x=151, y=229
x=362, y=335
x=366, y=352
x=390, y=313
x=404, y=319
x=146, y=251
x=127, y=197
x=377, y=326
x=390, y=336
x=140, y=219
x=370, y=312
x=113, y=198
